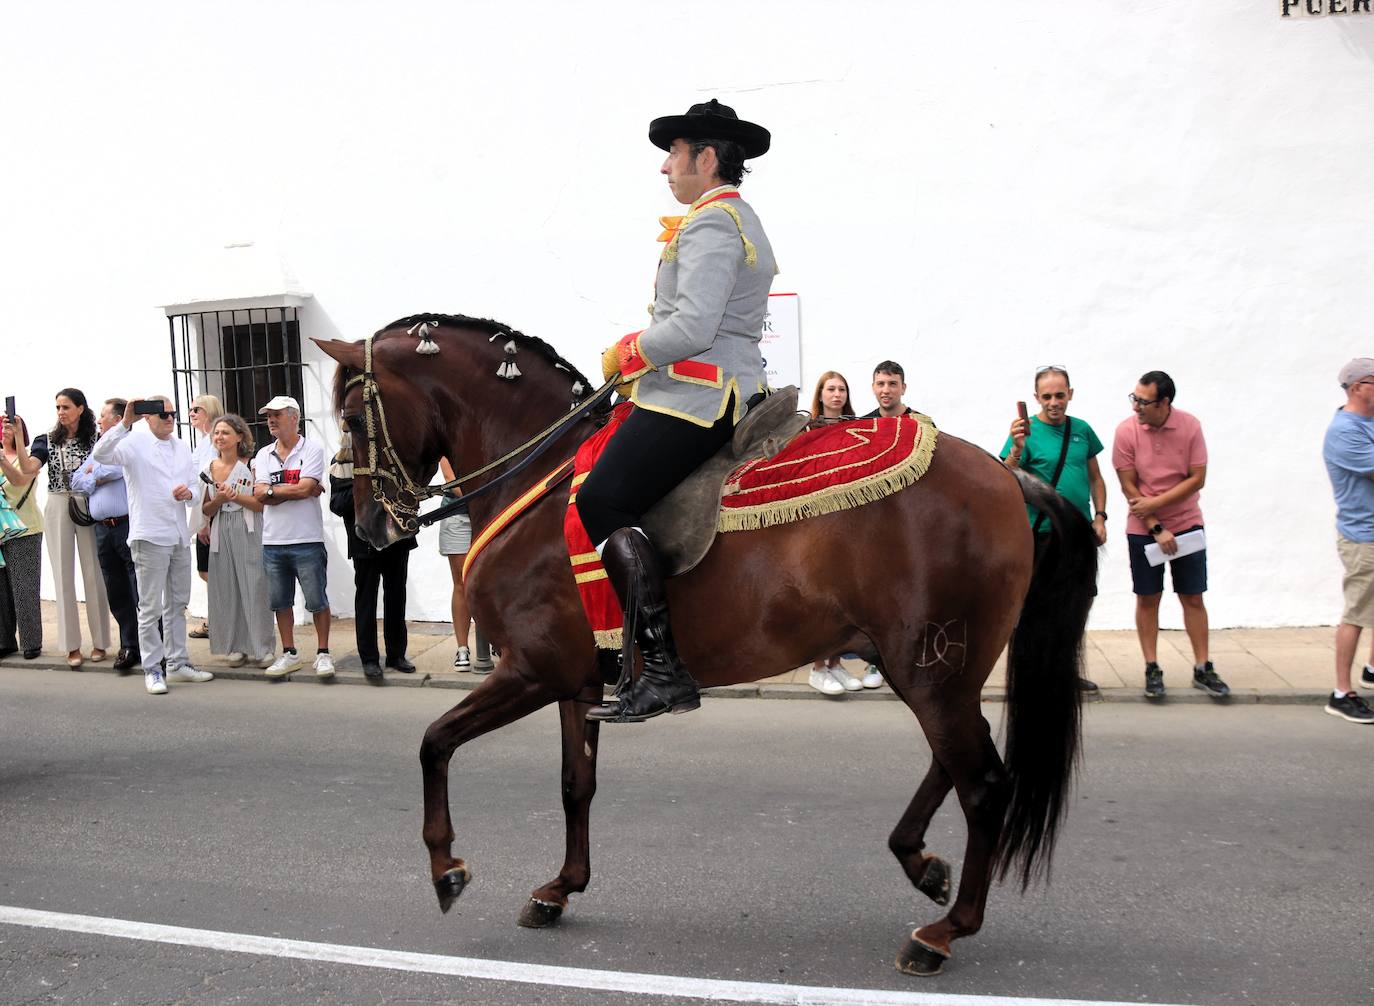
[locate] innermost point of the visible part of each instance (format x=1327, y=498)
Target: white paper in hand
x=1192, y=541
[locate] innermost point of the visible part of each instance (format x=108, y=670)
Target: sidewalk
x=1261, y=665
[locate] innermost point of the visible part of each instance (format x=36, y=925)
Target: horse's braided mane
x=485, y=325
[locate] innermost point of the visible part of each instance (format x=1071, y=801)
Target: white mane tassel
x=427, y=346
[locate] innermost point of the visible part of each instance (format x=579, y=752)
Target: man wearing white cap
x=1349, y=454
x=290, y=478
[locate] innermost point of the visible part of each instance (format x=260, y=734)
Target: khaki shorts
x=1358, y=559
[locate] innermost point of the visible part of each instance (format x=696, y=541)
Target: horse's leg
x=929, y=873
x=961, y=741
x=502, y=698
x=580, y=737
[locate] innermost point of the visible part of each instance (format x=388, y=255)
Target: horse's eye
x=353, y=422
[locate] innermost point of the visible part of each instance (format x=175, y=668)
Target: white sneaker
x=847, y=681
x=188, y=673
x=825, y=684
x=324, y=666
x=152, y=680
x=872, y=677
x=284, y=664
x=266, y=660
x=463, y=658
x=237, y=659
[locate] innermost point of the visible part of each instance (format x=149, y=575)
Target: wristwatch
x=271, y=492
x=1157, y=529
x=1102, y=514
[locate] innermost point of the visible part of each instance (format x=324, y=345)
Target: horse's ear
x=350, y=354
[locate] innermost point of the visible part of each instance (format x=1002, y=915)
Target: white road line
x=514, y=971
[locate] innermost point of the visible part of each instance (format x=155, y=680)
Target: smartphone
x=9, y=408
x=1025, y=416
x=206, y=479
x=147, y=407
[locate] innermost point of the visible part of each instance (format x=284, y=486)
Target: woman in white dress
x=242, y=626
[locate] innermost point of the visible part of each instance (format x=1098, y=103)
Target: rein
x=385, y=465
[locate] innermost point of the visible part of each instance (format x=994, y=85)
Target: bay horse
x=930, y=584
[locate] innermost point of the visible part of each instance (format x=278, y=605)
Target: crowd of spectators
x=118, y=503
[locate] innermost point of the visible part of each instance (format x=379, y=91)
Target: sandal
x=74, y=659
x=97, y=655
x=202, y=632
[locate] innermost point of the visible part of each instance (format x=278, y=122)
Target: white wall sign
x=1321, y=8
x=781, y=343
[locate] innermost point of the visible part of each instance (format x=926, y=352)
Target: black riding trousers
x=646, y=459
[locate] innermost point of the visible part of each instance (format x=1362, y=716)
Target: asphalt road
x=1212, y=855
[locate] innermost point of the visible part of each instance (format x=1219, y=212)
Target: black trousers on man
x=121, y=587
x=385, y=569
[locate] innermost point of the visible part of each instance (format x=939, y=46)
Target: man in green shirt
x=1038, y=449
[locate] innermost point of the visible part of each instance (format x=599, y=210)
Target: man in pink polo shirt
x=1161, y=459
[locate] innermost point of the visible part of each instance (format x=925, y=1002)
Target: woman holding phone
x=64, y=450
x=242, y=627
x=21, y=618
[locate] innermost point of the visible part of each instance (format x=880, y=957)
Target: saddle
x=683, y=524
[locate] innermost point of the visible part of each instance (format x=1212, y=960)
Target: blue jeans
x=287, y=565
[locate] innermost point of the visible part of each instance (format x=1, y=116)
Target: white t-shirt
x=295, y=521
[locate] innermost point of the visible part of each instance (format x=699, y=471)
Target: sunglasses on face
x=1141, y=402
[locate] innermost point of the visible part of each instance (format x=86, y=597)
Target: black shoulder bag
x=1058, y=470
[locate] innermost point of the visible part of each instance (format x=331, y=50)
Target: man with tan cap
x=289, y=474
x=1349, y=454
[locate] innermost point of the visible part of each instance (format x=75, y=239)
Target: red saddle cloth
x=836, y=467
x=833, y=468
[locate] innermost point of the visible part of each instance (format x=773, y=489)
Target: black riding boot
x=665, y=686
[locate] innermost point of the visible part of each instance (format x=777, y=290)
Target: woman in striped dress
x=242, y=626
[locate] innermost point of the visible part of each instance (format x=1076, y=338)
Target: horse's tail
x=1044, y=713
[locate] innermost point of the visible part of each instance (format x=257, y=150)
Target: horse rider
x=694, y=371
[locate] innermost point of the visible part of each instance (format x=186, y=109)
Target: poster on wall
x=781, y=343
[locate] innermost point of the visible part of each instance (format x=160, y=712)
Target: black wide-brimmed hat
x=710, y=121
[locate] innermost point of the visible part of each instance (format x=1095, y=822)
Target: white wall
x=972, y=189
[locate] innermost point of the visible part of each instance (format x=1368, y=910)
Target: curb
x=348, y=675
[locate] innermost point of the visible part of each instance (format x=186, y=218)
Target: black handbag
x=79, y=510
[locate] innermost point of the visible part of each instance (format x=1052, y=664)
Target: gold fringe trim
x=609, y=639
x=751, y=253
x=843, y=497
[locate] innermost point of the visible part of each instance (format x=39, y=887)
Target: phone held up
x=9, y=408
x=1023, y=414
x=147, y=407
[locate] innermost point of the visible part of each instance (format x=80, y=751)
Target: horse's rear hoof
x=918, y=959
x=450, y=885
x=539, y=914
x=935, y=881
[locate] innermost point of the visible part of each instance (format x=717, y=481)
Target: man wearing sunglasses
x=158, y=473
x=1160, y=458
x=1063, y=452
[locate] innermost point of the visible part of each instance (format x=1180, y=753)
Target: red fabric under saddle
x=836, y=467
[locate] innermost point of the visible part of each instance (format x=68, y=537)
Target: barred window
x=244, y=357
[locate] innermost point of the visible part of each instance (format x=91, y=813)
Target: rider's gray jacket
x=711, y=297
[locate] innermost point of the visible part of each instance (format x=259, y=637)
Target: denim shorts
x=285, y=565
x=1189, y=573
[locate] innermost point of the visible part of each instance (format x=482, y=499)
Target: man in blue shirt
x=109, y=505
x=1349, y=454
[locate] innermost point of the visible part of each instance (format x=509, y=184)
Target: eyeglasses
x=1141, y=402
x=1057, y=368
x=196, y=408
x=164, y=416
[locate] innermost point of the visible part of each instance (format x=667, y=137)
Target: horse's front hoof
x=540, y=914
x=921, y=960
x=450, y=885
x=935, y=881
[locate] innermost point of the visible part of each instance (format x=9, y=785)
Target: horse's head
x=398, y=435
x=433, y=387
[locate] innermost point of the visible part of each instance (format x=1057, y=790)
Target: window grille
x=244, y=357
